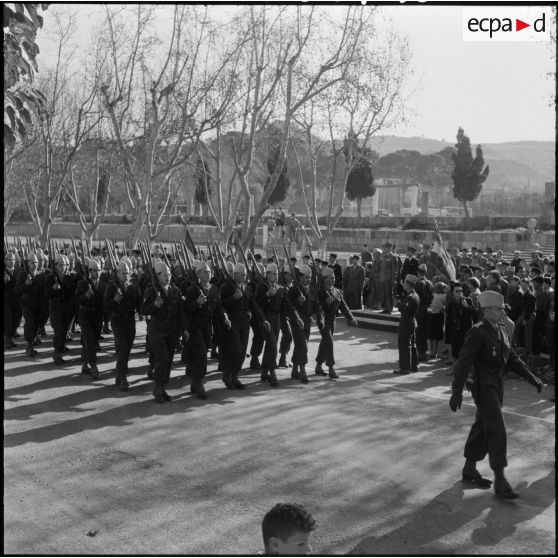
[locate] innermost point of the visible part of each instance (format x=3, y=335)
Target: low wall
x=342, y=240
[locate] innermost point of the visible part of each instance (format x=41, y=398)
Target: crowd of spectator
x=373, y=280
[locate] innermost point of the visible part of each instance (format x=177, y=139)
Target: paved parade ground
x=376, y=458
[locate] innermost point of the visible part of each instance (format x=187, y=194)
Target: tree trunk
x=137, y=226
x=322, y=245
x=466, y=209
x=359, y=210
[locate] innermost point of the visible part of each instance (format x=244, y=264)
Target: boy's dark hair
x=283, y=520
x=473, y=281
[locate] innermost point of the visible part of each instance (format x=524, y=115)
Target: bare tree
x=368, y=100
x=64, y=123
x=157, y=134
x=290, y=61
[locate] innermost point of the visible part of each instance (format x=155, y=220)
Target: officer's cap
x=355, y=256
x=327, y=272
x=239, y=268
x=332, y=255
x=411, y=279
x=271, y=268
x=491, y=299
x=306, y=257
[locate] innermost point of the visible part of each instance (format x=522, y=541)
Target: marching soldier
x=89, y=300
x=303, y=298
x=286, y=280
x=331, y=301
x=239, y=304
x=408, y=306
x=487, y=349
x=28, y=287
x=59, y=289
x=122, y=300
x=11, y=302
x=272, y=299
x=163, y=303
x=202, y=304
x=258, y=333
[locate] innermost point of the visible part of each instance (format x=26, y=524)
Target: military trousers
x=163, y=337
x=408, y=357
x=286, y=335
x=388, y=296
x=258, y=338
x=90, y=326
x=235, y=343
x=488, y=433
x=301, y=335
x=124, y=330
x=269, y=359
x=198, y=344
x=12, y=316
x=31, y=324
x=60, y=318
x=325, y=350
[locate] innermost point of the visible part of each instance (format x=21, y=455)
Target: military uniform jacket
x=31, y=295
x=240, y=309
x=171, y=313
x=527, y=305
x=487, y=349
x=128, y=306
x=273, y=306
x=202, y=316
x=353, y=279
x=338, y=272
x=331, y=302
x=389, y=268
x=408, y=306
x=90, y=308
x=61, y=296
x=305, y=302
x=9, y=286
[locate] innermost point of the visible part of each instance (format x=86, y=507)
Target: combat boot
x=57, y=359
x=236, y=382
x=227, y=380
x=255, y=364
x=158, y=393
x=502, y=486
x=302, y=374
x=42, y=330
x=197, y=388
x=283, y=361
x=122, y=383
x=94, y=372
x=8, y=343
x=319, y=371
x=85, y=369
x=264, y=375
x=166, y=396
x=294, y=372
x=273, y=381
x=332, y=374
x=150, y=370
x=30, y=351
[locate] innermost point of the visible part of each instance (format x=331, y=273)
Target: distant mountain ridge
x=512, y=164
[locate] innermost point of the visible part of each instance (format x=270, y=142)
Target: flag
x=440, y=258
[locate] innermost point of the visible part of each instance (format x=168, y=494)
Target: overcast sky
x=496, y=91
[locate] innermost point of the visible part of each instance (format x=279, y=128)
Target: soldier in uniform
x=11, y=302
x=59, y=289
x=28, y=287
x=258, y=333
x=122, y=300
x=240, y=307
x=168, y=318
x=409, y=267
x=388, y=277
x=337, y=270
x=331, y=301
x=285, y=280
x=272, y=299
x=202, y=304
x=303, y=298
x=408, y=306
x=89, y=300
x=487, y=349
x=425, y=292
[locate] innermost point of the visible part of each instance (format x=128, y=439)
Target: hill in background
x=512, y=164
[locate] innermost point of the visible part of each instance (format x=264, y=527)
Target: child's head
x=286, y=530
x=440, y=288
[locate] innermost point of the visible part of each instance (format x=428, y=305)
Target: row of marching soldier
x=195, y=306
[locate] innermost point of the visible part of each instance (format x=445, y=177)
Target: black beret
x=332, y=255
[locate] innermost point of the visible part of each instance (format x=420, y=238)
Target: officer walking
x=408, y=306
x=487, y=349
x=331, y=301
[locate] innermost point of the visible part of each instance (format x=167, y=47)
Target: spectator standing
x=337, y=270
x=408, y=306
x=353, y=283
x=376, y=284
x=435, y=318
x=528, y=302
x=388, y=277
x=425, y=292
x=459, y=319
x=365, y=255
x=410, y=265
x=542, y=307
